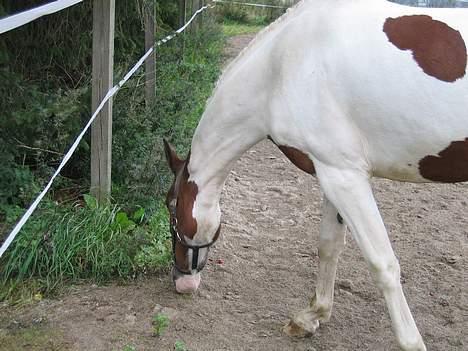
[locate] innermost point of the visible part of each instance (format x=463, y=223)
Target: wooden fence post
x=103, y=66
x=150, y=65
x=182, y=12
x=200, y=20
x=196, y=4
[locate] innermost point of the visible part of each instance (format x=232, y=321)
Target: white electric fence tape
x=22, y=18
x=72, y=149
x=249, y=4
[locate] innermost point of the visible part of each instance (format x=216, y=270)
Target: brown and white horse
x=348, y=89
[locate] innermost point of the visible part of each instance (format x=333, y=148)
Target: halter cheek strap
x=177, y=238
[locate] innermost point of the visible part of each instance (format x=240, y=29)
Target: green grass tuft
x=61, y=245
x=180, y=346
x=232, y=28
x=32, y=339
x=160, y=324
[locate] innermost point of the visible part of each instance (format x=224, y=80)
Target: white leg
x=331, y=243
x=351, y=193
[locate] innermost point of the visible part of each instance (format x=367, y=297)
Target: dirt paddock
x=264, y=268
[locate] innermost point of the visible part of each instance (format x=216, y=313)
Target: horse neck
x=224, y=133
x=236, y=118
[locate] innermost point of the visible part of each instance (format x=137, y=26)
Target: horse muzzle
x=184, y=283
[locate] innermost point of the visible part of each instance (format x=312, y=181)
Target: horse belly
x=413, y=119
x=446, y=164
x=417, y=131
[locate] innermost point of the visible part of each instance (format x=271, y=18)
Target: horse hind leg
x=331, y=244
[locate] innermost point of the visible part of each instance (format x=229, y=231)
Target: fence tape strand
x=250, y=4
x=20, y=19
x=74, y=146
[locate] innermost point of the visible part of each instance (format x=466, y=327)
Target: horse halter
x=177, y=238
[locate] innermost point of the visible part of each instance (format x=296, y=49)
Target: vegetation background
x=45, y=70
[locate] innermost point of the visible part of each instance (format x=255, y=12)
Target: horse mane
x=289, y=12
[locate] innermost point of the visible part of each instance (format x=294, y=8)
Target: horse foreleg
x=331, y=243
x=351, y=193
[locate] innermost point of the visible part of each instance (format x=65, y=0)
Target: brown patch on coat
x=181, y=257
x=437, y=48
x=184, y=192
x=300, y=159
x=450, y=166
x=297, y=157
x=187, y=193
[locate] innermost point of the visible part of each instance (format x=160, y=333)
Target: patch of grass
x=232, y=28
x=70, y=244
x=67, y=244
x=32, y=339
x=160, y=324
x=129, y=348
x=180, y=346
x=157, y=251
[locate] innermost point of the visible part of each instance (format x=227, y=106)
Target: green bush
x=66, y=241
x=40, y=122
x=156, y=253
x=45, y=96
x=243, y=14
x=234, y=13
x=187, y=69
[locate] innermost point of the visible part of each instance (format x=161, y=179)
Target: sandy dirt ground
x=264, y=268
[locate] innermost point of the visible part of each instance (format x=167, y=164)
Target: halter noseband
x=177, y=238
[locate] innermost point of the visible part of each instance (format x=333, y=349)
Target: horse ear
x=175, y=163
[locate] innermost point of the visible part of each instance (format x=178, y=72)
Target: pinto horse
x=348, y=90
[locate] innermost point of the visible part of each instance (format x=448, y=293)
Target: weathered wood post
x=195, y=6
x=202, y=15
x=150, y=64
x=191, y=9
x=182, y=12
x=103, y=67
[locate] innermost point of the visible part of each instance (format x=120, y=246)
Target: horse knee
x=386, y=273
x=330, y=250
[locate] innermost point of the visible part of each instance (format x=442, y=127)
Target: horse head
x=190, y=223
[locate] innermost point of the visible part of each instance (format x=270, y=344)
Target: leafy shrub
x=187, y=69
x=45, y=93
x=40, y=122
x=66, y=241
x=156, y=252
x=251, y=15
x=234, y=13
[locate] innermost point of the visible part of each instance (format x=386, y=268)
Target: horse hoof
x=299, y=331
